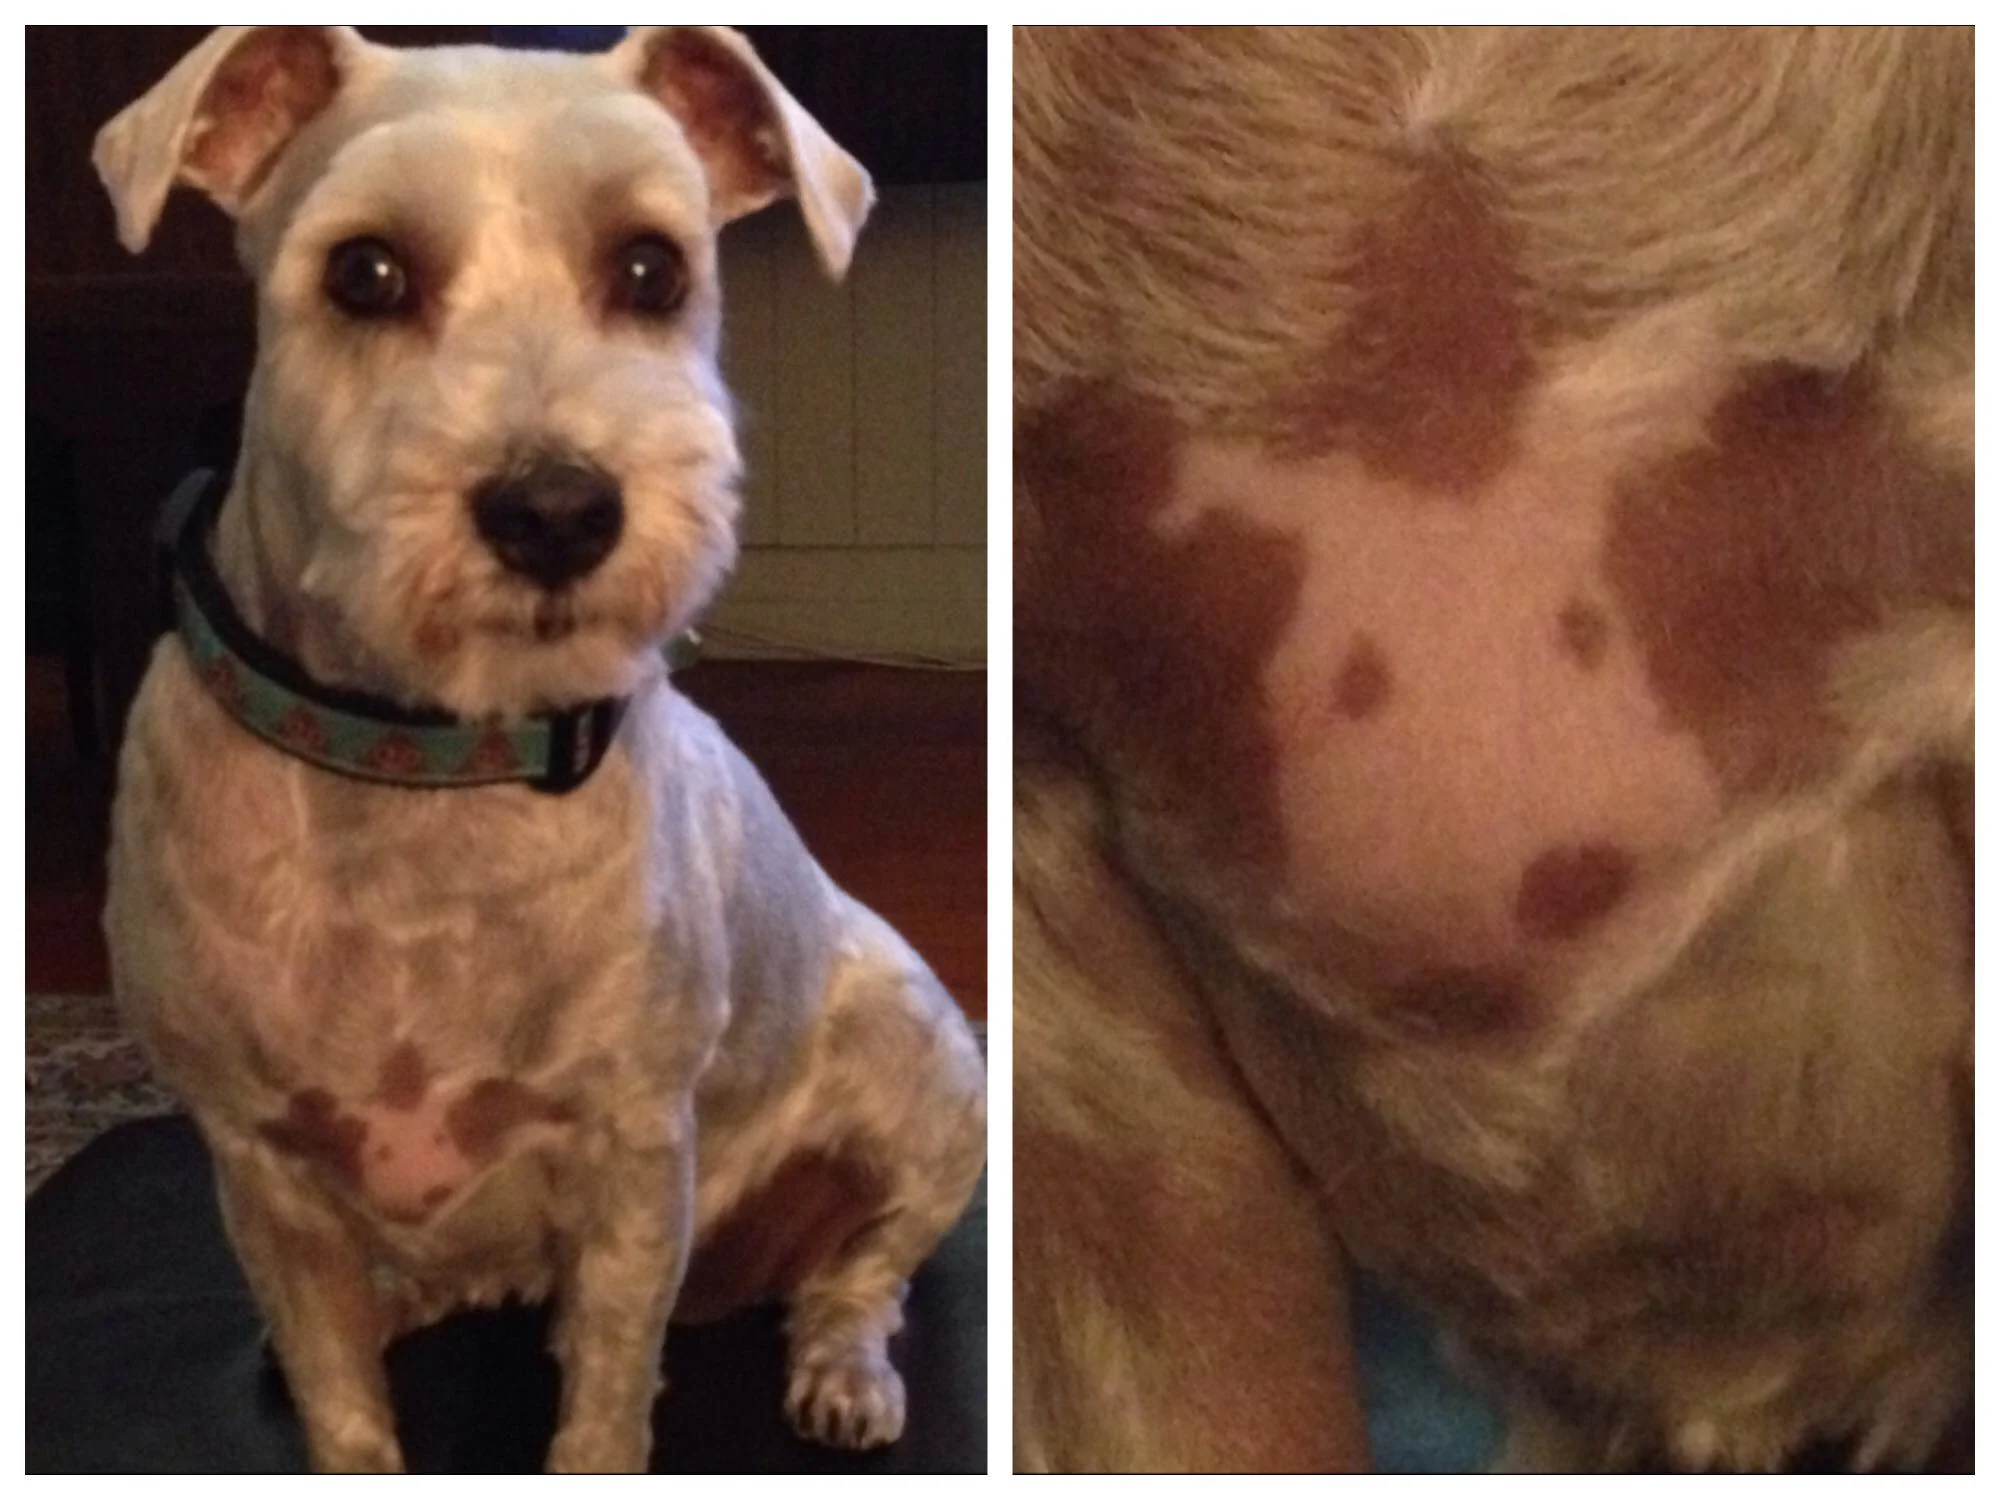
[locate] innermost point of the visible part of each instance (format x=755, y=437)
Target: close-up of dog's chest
x=400, y=1056
x=1494, y=552
x=1479, y=622
x=1466, y=728
x=416, y=1144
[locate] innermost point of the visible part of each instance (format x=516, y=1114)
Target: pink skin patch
x=413, y=1146
x=1505, y=801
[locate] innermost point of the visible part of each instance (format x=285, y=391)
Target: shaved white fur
x=450, y=1047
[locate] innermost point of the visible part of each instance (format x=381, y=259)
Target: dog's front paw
x=853, y=1399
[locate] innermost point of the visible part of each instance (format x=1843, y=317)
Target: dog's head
x=486, y=437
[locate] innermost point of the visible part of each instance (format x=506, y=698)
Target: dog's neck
x=260, y=554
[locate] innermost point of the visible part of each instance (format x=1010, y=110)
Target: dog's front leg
x=326, y=1320
x=619, y=1283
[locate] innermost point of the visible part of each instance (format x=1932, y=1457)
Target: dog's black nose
x=552, y=522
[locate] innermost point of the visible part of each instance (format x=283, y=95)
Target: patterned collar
x=341, y=729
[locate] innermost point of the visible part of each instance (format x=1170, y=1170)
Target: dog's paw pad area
x=852, y=1400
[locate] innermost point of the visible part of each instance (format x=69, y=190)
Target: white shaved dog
x=627, y=1046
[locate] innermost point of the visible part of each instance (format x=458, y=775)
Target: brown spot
x=1565, y=892
x=809, y=1211
x=1459, y=1004
x=1152, y=646
x=435, y=1195
x=1741, y=564
x=493, y=1109
x=405, y=1078
x=1584, y=632
x=383, y=1152
x=1362, y=685
x=1424, y=381
x=314, y=1127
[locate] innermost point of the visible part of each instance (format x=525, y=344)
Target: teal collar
x=341, y=729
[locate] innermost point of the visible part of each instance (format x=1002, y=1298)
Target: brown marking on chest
x=805, y=1215
x=405, y=1078
x=1361, y=686
x=482, y=1119
x=1425, y=380
x=1584, y=633
x=1566, y=892
x=1804, y=521
x=1151, y=643
x=315, y=1128
x=1461, y=1004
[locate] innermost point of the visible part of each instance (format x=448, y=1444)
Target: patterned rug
x=85, y=1075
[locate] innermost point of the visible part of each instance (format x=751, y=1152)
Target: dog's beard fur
x=393, y=555
x=371, y=438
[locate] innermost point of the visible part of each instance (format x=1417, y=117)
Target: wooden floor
x=882, y=769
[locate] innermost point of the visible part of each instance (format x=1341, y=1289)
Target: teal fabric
x=456, y=754
x=1423, y=1418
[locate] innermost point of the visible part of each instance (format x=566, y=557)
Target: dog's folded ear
x=755, y=141
x=218, y=120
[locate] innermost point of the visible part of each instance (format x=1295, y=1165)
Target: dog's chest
x=402, y=993
x=1480, y=737
x=416, y=1144
x=1463, y=754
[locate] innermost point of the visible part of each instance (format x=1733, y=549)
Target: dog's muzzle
x=552, y=522
x=343, y=729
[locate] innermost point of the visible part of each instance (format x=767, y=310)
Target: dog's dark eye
x=365, y=278
x=649, y=276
